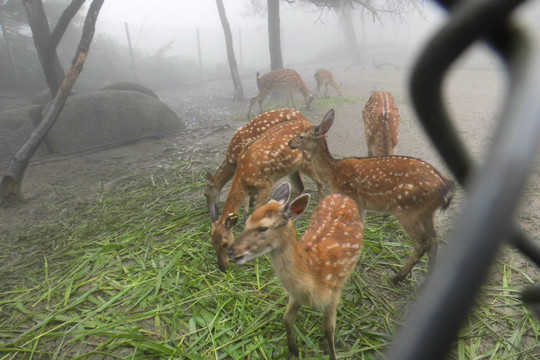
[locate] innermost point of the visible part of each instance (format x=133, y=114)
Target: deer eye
x=262, y=229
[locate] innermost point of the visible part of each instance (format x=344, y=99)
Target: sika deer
x=314, y=269
x=243, y=136
x=260, y=165
x=325, y=77
x=381, y=124
x=406, y=187
x=280, y=79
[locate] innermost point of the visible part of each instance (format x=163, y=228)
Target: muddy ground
x=211, y=117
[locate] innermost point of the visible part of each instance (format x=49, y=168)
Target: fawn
x=260, y=165
x=381, y=124
x=314, y=269
x=406, y=187
x=280, y=79
x=243, y=136
x=325, y=77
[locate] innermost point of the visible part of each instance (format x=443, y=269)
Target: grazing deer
x=325, y=77
x=280, y=79
x=314, y=269
x=260, y=165
x=243, y=136
x=406, y=187
x=381, y=124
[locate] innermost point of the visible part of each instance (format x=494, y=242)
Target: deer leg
x=290, y=96
x=326, y=91
x=329, y=328
x=288, y=319
x=262, y=196
x=247, y=201
x=296, y=181
x=433, y=242
x=251, y=102
x=421, y=242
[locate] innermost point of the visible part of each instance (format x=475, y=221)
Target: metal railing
x=493, y=187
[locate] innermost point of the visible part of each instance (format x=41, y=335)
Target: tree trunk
x=10, y=187
x=41, y=34
x=349, y=33
x=238, y=90
x=8, y=48
x=274, y=37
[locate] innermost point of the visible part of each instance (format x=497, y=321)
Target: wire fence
x=493, y=187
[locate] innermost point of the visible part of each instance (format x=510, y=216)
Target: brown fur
x=406, y=187
x=381, y=124
x=260, y=165
x=280, y=79
x=314, y=269
x=325, y=78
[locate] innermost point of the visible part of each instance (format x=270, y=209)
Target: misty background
x=176, y=42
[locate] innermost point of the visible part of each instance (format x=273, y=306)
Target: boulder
x=88, y=121
x=16, y=125
x=127, y=86
x=107, y=117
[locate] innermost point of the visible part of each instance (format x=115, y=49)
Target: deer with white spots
x=241, y=138
x=409, y=188
x=381, y=124
x=260, y=165
x=325, y=78
x=280, y=79
x=313, y=270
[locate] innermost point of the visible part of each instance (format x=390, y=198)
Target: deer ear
x=326, y=123
x=214, y=212
x=231, y=220
x=209, y=178
x=297, y=206
x=282, y=193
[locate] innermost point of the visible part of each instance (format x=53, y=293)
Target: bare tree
x=376, y=9
x=238, y=90
x=10, y=187
x=274, y=35
x=45, y=42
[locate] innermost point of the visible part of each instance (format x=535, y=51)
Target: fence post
x=131, y=53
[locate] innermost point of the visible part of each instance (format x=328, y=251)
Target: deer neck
x=323, y=162
x=235, y=197
x=291, y=267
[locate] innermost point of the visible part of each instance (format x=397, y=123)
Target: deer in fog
x=409, y=188
x=314, y=269
x=260, y=165
x=381, y=124
x=325, y=78
x=280, y=79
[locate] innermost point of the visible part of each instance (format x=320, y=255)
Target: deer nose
x=291, y=146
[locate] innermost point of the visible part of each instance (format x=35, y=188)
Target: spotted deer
x=314, y=269
x=381, y=124
x=325, y=78
x=409, y=188
x=280, y=79
x=260, y=165
x=243, y=136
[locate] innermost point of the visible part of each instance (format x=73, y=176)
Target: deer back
x=280, y=79
x=381, y=124
x=269, y=158
x=258, y=126
x=393, y=183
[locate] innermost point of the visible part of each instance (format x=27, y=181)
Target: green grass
x=131, y=274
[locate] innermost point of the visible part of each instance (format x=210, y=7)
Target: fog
x=308, y=34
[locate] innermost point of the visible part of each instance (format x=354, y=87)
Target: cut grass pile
x=131, y=274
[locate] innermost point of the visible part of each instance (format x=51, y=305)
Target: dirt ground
x=206, y=108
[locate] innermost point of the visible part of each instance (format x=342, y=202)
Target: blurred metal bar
x=494, y=188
